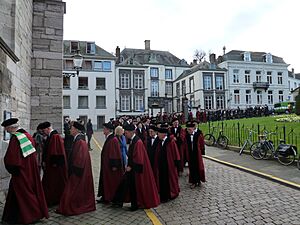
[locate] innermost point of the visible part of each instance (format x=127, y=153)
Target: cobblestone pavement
x=229, y=196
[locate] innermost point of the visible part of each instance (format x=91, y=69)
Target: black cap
x=9, y=122
x=175, y=119
x=129, y=127
x=163, y=128
x=109, y=125
x=45, y=125
x=152, y=127
x=190, y=124
x=78, y=126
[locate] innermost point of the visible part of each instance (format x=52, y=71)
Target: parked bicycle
x=247, y=142
x=221, y=141
x=264, y=149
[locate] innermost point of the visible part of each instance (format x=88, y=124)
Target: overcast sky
x=182, y=26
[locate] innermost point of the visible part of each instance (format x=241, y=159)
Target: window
x=66, y=102
x=269, y=58
x=138, y=81
x=192, y=101
x=247, y=56
x=207, y=83
x=100, y=102
x=100, y=83
x=68, y=64
x=83, y=102
x=270, y=97
x=125, y=102
x=269, y=77
x=154, y=88
x=289, y=83
x=74, y=46
x=192, y=85
x=259, y=97
x=98, y=65
x=247, y=76
x=220, y=102
x=248, y=97
x=87, y=65
x=279, y=77
x=153, y=72
x=125, y=82
x=178, y=105
x=183, y=87
x=236, y=76
x=219, y=83
x=169, y=88
x=83, y=83
x=66, y=83
x=139, y=103
x=177, y=89
x=106, y=65
x=168, y=74
x=90, y=48
x=208, y=102
x=236, y=96
x=280, y=96
x=258, y=76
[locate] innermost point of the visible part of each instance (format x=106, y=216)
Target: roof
x=202, y=66
x=155, y=57
x=297, y=75
x=237, y=55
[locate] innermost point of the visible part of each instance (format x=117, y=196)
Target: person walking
x=89, y=133
x=119, y=132
x=25, y=201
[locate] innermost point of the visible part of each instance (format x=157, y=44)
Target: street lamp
x=77, y=61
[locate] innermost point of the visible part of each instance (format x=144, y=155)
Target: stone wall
x=47, y=47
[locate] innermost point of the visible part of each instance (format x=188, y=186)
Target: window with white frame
x=100, y=102
x=67, y=102
x=289, y=83
x=248, y=97
x=270, y=97
x=66, y=83
x=219, y=82
x=183, y=87
x=139, y=103
x=106, y=65
x=98, y=65
x=169, y=88
x=236, y=76
x=154, y=88
x=269, y=58
x=125, y=102
x=207, y=82
x=100, y=83
x=124, y=81
x=279, y=75
x=138, y=81
x=258, y=76
x=192, y=85
x=247, y=76
x=168, y=73
x=83, y=102
x=236, y=96
x=269, y=77
x=280, y=96
x=295, y=85
x=220, y=102
x=247, y=56
x=208, y=102
x=90, y=48
x=259, y=97
x=177, y=89
x=192, y=101
x=83, y=83
x=154, y=72
x=178, y=105
x=74, y=46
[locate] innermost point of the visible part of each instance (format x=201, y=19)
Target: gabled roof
x=297, y=75
x=238, y=55
x=154, y=57
x=203, y=66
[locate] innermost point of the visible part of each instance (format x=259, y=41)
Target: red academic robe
x=55, y=172
x=25, y=202
x=110, y=157
x=173, y=160
x=179, y=135
x=78, y=196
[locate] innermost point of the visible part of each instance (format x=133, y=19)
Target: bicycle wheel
x=268, y=150
x=287, y=158
x=223, y=142
x=298, y=163
x=256, y=151
x=209, y=139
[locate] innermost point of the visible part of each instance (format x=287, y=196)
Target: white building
x=255, y=78
x=92, y=93
x=293, y=83
x=144, y=80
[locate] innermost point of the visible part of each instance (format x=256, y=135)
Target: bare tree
x=199, y=55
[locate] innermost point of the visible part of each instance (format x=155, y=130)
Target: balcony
x=261, y=85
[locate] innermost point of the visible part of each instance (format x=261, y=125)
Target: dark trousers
x=89, y=140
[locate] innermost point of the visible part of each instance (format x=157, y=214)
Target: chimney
x=224, y=49
x=118, y=54
x=147, y=44
x=194, y=62
x=212, y=58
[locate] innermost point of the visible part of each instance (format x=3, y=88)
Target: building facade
x=254, y=78
x=144, y=80
x=91, y=94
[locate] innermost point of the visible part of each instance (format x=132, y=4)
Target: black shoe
x=133, y=208
x=117, y=205
x=102, y=201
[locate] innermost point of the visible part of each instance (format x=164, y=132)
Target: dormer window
x=269, y=58
x=90, y=48
x=74, y=46
x=247, y=56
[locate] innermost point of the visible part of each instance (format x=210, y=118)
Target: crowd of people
x=141, y=161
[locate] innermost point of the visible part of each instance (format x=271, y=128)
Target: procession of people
x=141, y=161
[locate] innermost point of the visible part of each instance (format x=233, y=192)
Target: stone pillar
x=47, y=63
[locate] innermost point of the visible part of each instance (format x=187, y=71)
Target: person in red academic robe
x=194, y=146
x=25, y=202
x=78, y=196
x=54, y=165
x=111, y=168
x=138, y=179
x=166, y=166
